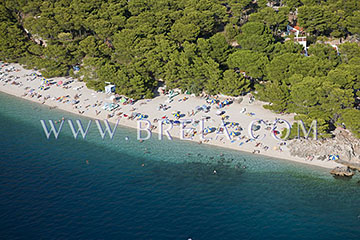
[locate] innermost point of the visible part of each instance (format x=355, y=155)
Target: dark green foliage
x=274, y=20
x=353, y=23
x=351, y=119
x=336, y=18
x=292, y=4
x=234, y=83
x=212, y=46
x=13, y=42
x=275, y=93
x=255, y=36
x=348, y=51
x=231, y=31
x=314, y=19
x=252, y=63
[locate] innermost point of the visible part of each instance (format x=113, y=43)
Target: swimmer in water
x=215, y=172
x=87, y=161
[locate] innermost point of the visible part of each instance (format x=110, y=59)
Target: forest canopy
x=206, y=46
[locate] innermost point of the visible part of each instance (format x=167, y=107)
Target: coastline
x=88, y=98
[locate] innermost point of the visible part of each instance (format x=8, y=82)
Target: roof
x=299, y=28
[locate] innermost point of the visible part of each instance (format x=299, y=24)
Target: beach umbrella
x=333, y=157
x=198, y=108
x=233, y=133
x=60, y=82
x=206, y=130
x=177, y=115
x=209, y=129
x=41, y=87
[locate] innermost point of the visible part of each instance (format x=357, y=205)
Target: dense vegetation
x=188, y=44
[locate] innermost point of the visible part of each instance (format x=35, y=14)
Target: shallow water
x=98, y=189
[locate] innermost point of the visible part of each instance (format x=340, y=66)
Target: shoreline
x=90, y=103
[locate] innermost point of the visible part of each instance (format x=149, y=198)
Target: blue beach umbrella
x=212, y=101
x=208, y=130
x=333, y=157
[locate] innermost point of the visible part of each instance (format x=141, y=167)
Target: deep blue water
x=98, y=189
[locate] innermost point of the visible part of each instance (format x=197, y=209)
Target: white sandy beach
x=20, y=83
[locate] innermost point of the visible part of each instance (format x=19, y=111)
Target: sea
x=121, y=188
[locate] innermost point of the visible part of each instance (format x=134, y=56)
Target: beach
x=73, y=96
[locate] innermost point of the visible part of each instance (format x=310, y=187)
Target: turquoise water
x=98, y=189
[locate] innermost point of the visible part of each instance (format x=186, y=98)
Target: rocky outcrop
x=344, y=144
x=342, y=172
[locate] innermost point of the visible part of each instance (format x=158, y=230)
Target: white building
x=110, y=89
